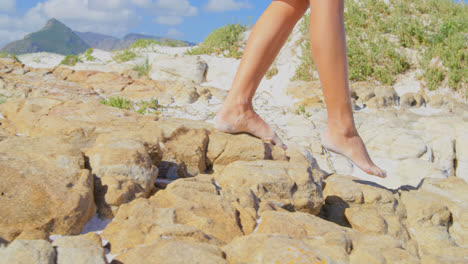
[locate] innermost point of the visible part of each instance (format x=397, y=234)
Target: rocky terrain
x=84, y=182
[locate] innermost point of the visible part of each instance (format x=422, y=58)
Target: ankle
x=341, y=131
x=237, y=105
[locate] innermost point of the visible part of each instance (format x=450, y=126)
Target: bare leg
x=328, y=44
x=265, y=41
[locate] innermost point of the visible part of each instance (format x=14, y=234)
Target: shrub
x=223, y=40
x=144, y=43
x=271, y=72
x=2, y=100
x=377, y=33
x=70, y=60
x=125, y=55
x=144, y=106
x=88, y=55
x=9, y=56
x=142, y=68
x=118, y=102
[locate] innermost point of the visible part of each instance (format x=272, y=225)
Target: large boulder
x=27, y=252
x=79, y=249
x=45, y=188
x=192, y=209
x=124, y=166
x=186, y=68
x=286, y=184
x=171, y=251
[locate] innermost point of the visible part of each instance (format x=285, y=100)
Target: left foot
x=238, y=119
x=352, y=147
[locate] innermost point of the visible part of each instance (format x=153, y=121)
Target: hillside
x=53, y=37
x=99, y=41
x=109, y=43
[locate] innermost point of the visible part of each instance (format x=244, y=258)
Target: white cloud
x=7, y=5
x=174, y=33
x=169, y=20
x=226, y=5
x=172, y=12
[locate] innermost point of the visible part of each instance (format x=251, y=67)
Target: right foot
x=353, y=148
x=237, y=120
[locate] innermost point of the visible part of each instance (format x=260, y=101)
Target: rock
x=298, y=225
x=287, y=185
x=366, y=220
x=62, y=72
x=105, y=84
x=370, y=256
x=273, y=248
x=27, y=252
x=452, y=192
x=461, y=148
x=395, y=143
x=173, y=251
x=366, y=208
x=413, y=171
x=77, y=250
x=363, y=91
x=45, y=188
x=186, y=68
x=384, y=96
x=224, y=148
x=184, y=153
x=428, y=219
x=412, y=100
x=123, y=168
x=193, y=202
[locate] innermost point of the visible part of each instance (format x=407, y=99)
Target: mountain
x=53, y=37
x=99, y=41
x=109, y=43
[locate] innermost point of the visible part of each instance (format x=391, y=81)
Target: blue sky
x=190, y=20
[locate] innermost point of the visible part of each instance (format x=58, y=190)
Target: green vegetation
x=144, y=43
x=2, y=100
x=174, y=43
x=145, y=106
x=9, y=56
x=118, y=102
x=147, y=43
x=88, y=55
x=70, y=60
x=224, y=40
x=125, y=55
x=271, y=72
x=143, y=68
x=301, y=111
x=377, y=34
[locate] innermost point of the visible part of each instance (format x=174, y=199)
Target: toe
x=378, y=172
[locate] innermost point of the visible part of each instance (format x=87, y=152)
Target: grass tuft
x=118, y=102
x=124, y=55
x=88, y=55
x=70, y=60
x=142, y=68
x=9, y=56
x=224, y=40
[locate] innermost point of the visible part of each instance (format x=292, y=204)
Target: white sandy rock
x=187, y=68
x=28, y=252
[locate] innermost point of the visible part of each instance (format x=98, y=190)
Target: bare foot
x=237, y=120
x=353, y=148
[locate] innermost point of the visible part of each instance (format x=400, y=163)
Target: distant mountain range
x=56, y=37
